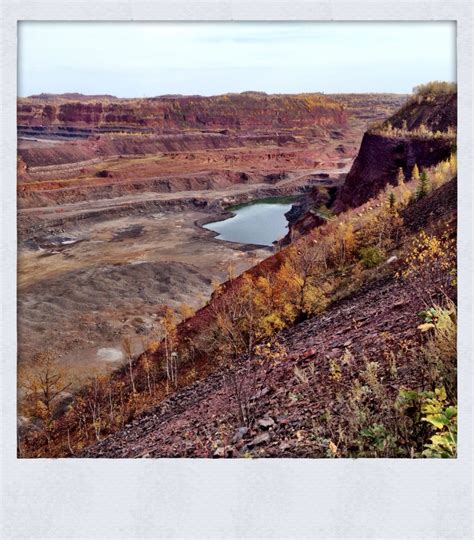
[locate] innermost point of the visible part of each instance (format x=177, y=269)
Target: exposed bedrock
x=378, y=162
x=255, y=109
x=305, y=215
x=93, y=147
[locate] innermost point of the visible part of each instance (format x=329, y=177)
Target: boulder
x=266, y=423
x=263, y=438
x=239, y=434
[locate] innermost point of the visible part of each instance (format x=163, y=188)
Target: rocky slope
x=438, y=112
x=189, y=423
x=299, y=389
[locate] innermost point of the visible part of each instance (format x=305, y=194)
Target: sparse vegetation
x=376, y=422
x=422, y=132
x=435, y=88
x=421, y=116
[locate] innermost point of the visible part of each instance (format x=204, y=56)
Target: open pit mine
x=114, y=196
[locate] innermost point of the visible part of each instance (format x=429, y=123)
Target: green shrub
x=443, y=417
x=371, y=256
x=324, y=212
x=378, y=439
x=423, y=188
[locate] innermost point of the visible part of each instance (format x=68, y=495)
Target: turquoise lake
x=254, y=223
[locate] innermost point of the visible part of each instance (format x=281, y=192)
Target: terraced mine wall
x=56, y=222
x=248, y=110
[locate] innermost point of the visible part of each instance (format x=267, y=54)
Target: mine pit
x=111, y=219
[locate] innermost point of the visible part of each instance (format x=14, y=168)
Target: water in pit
x=255, y=223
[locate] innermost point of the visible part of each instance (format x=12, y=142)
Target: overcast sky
x=129, y=59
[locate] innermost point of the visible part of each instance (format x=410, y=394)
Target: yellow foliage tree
x=42, y=383
x=400, y=177
x=299, y=281
x=415, y=174
x=186, y=311
x=168, y=322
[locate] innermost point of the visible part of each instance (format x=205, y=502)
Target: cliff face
x=305, y=214
x=73, y=147
x=378, y=162
x=422, y=132
x=230, y=111
x=100, y=146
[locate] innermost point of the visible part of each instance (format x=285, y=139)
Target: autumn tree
x=127, y=349
x=400, y=177
x=386, y=229
x=300, y=279
x=95, y=401
x=170, y=335
x=453, y=164
x=238, y=313
x=415, y=174
x=147, y=366
x=269, y=300
x=344, y=244
x=43, y=382
x=234, y=317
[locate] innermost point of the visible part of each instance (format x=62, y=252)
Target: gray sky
x=129, y=59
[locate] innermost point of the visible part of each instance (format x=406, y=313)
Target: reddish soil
x=83, y=150
x=296, y=389
x=201, y=421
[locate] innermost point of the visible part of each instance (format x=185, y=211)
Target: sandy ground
x=81, y=293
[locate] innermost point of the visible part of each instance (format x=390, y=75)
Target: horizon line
x=179, y=95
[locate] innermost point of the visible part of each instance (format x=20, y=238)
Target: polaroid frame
x=283, y=498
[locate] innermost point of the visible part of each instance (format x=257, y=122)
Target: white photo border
x=279, y=498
